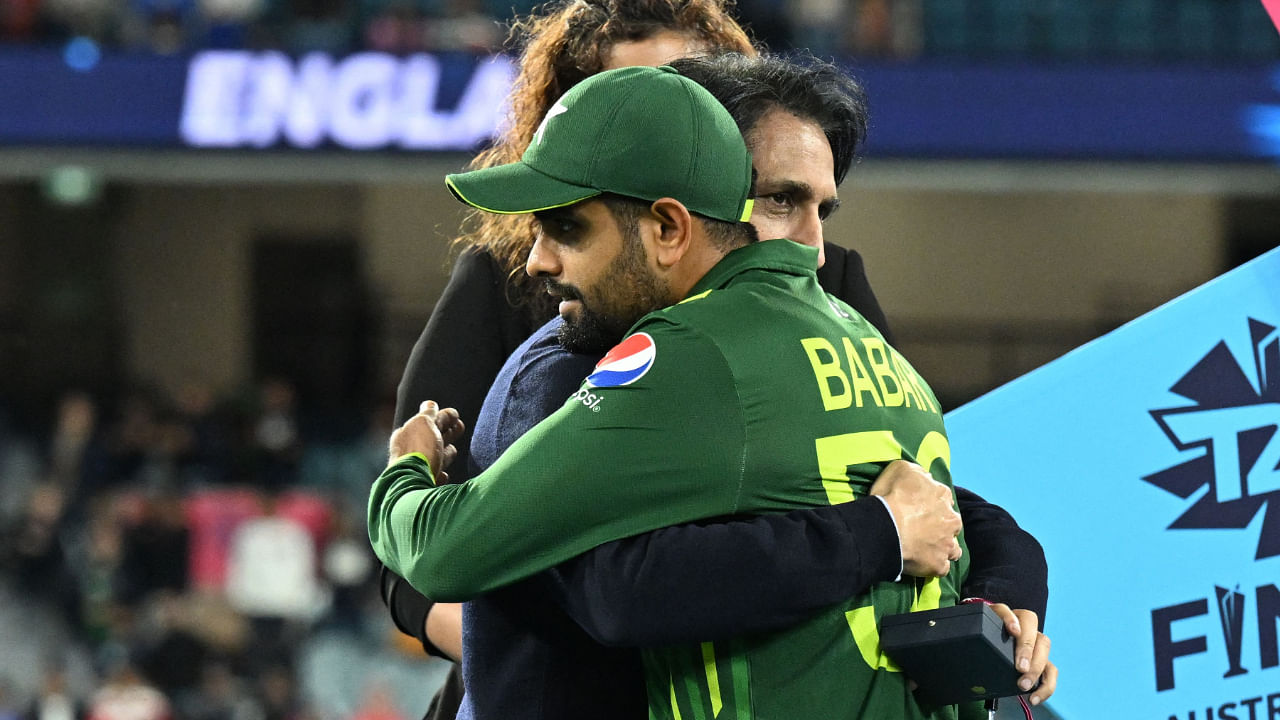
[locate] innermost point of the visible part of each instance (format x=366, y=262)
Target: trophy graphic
x=1231, y=612
x=1266, y=349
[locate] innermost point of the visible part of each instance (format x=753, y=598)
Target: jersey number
x=836, y=453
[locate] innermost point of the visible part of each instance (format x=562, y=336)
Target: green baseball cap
x=642, y=132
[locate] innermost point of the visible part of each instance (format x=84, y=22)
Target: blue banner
x=454, y=102
x=252, y=100
x=1147, y=463
x=1180, y=113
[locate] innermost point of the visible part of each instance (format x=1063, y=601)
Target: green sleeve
x=665, y=449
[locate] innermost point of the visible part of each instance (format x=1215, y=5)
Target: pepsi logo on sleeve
x=626, y=363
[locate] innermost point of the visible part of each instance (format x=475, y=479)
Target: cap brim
x=514, y=188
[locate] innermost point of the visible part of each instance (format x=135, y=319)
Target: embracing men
x=741, y=388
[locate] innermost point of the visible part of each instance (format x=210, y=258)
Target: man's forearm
x=521, y=516
x=697, y=582
x=708, y=580
x=438, y=626
x=1007, y=564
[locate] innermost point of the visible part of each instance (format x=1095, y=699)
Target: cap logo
x=555, y=110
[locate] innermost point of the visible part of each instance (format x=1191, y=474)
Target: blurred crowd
x=1052, y=30
x=184, y=553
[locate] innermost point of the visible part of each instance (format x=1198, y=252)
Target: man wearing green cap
x=752, y=391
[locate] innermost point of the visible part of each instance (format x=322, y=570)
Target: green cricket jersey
x=759, y=393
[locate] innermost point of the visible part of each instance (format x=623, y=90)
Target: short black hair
x=801, y=84
x=726, y=235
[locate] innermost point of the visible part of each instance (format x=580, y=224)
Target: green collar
x=779, y=255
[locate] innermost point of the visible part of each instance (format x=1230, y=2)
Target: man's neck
x=702, y=256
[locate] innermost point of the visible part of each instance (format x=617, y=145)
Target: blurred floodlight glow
x=1263, y=124
x=72, y=185
x=82, y=54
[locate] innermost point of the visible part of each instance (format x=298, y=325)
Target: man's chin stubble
x=586, y=335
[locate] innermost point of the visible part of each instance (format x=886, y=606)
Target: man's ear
x=675, y=231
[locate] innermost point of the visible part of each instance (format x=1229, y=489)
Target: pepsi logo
x=626, y=363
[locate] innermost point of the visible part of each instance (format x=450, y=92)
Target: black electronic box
x=954, y=654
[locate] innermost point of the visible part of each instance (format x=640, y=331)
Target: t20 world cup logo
x=1233, y=418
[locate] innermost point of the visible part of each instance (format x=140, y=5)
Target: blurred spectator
x=165, y=645
x=20, y=20
x=377, y=703
x=400, y=28
x=75, y=429
x=38, y=553
x=272, y=579
x=341, y=470
x=221, y=695
x=463, y=26
x=348, y=564
x=77, y=459
x=271, y=570
x=884, y=29
x=159, y=26
x=55, y=701
x=212, y=517
x=817, y=24
x=99, y=20
x=135, y=445
x=318, y=25
x=156, y=544
x=907, y=18
x=200, y=436
x=126, y=695
x=208, y=617
x=228, y=24
x=21, y=469
x=278, y=689
x=276, y=445
x=872, y=29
